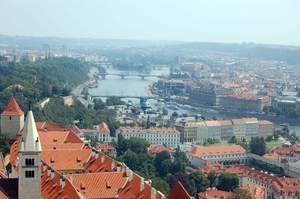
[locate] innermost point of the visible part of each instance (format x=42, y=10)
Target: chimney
x=93, y=152
x=112, y=164
x=44, y=166
x=62, y=181
x=118, y=167
x=52, y=174
x=153, y=193
x=142, y=185
x=123, y=167
x=102, y=157
x=97, y=154
x=130, y=175
x=127, y=172
x=49, y=171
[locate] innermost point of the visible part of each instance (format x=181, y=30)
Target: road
x=77, y=91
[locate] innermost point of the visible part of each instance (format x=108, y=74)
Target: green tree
x=131, y=159
x=212, y=179
x=200, y=180
x=228, y=182
x=160, y=158
x=175, y=114
x=164, y=168
x=138, y=145
x=239, y=193
x=258, y=145
x=4, y=145
x=161, y=185
x=113, y=100
x=165, y=111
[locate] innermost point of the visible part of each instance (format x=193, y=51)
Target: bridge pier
x=122, y=76
x=143, y=77
x=103, y=76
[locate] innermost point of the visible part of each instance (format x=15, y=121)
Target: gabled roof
x=179, y=191
x=12, y=109
x=216, y=150
x=52, y=187
x=104, y=127
x=99, y=185
x=62, y=160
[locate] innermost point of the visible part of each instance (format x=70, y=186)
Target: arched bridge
x=123, y=75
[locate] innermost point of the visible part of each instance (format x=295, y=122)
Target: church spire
x=30, y=135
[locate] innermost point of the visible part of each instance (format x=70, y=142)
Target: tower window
x=29, y=162
x=9, y=117
x=29, y=174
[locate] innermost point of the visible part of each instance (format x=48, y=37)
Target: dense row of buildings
x=223, y=130
x=52, y=162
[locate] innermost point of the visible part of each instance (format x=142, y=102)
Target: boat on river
x=284, y=125
x=174, y=107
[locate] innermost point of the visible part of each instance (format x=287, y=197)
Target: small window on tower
x=29, y=162
x=9, y=117
x=29, y=174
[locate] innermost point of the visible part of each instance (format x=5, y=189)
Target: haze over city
x=268, y=21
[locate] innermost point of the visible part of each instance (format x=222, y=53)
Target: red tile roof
x=214, y=194
x=99, y=185
x=179, y=191
x=216, y=150
x=12, y=109
x=104, y=127
x=52, y=186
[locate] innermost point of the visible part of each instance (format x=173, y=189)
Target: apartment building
x=239, y=128
x=252, y=127
x=226, y=129
x=158, y=136
x=213, y=129
x=246, y=101
x=266, y=128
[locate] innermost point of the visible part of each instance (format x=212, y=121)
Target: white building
x=213, y=129
x=158, y=136
x=252, y=127
x=199, y=155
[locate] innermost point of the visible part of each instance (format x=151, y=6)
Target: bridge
x=130, y=96
x=123, y=75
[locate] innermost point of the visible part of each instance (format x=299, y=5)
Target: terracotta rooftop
x=214, y=194
x=225, y=122
x=179, y=191
x=216, y=150
x=155, y=149
x=99, y=185
x=104, y=127
x=212, y=123
x=12, y=109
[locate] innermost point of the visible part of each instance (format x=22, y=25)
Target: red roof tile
x=179, y=191
x=99, y=185
x=12, y=109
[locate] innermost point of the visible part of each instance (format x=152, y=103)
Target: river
x=135, y=86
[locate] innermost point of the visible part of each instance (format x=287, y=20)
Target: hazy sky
x=259, y=21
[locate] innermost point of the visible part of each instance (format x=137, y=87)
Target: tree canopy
x=228, y=182
x=258, y=145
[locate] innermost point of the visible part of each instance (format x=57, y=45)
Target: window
x=29, y=174
x=29, y=162
x=9, y=117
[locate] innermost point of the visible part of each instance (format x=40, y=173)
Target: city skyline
x=267, y=22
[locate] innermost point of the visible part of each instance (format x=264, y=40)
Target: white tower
x=30, y=161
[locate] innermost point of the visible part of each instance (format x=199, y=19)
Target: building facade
x=158, y=136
